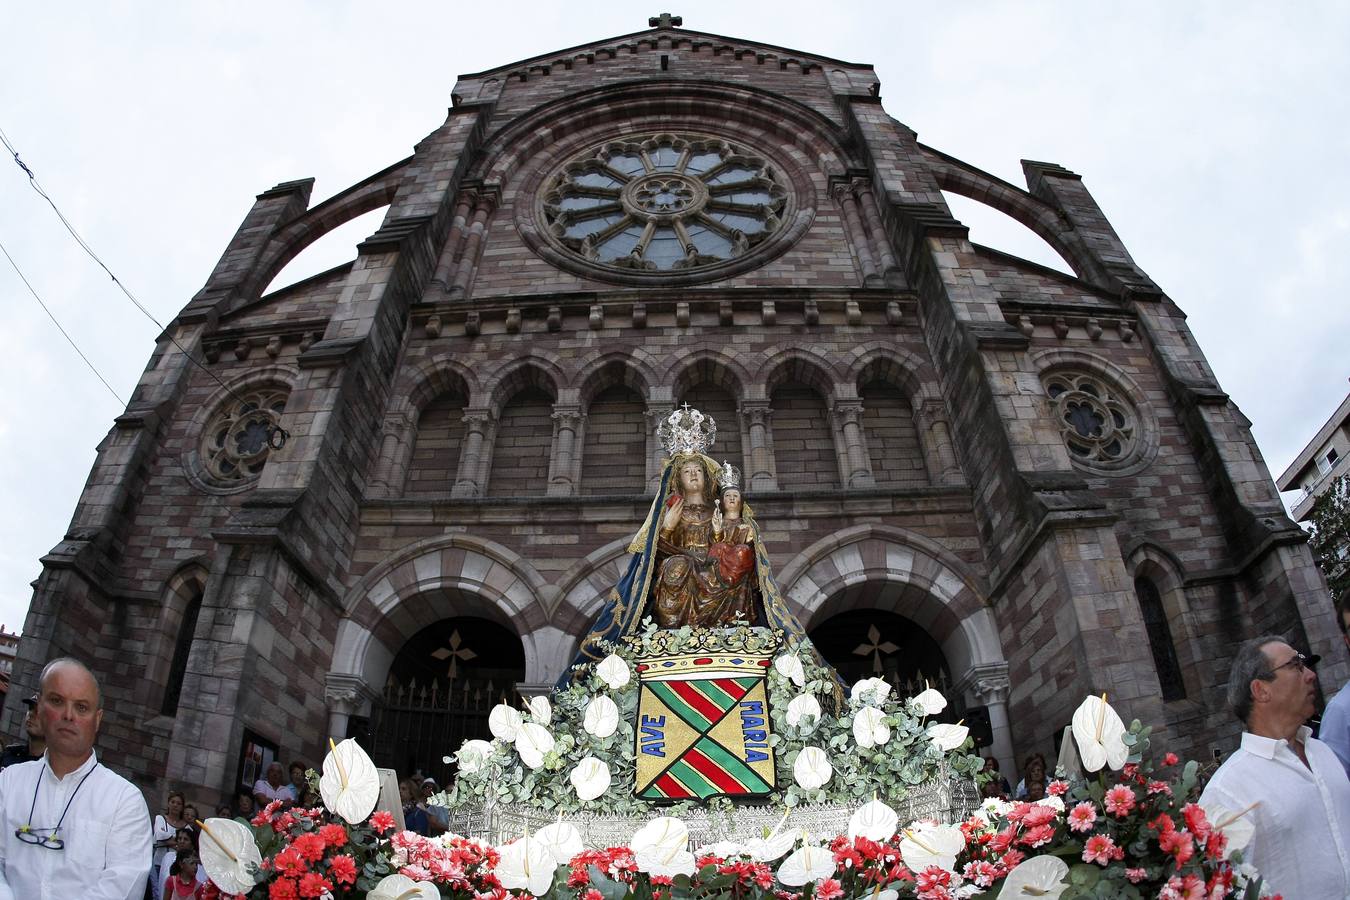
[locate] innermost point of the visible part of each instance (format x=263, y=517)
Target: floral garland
x=838, y=749
x=1139, y=833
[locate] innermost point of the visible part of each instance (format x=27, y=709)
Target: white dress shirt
x=106, y=832
x=1301, y=845
x=1335, y=731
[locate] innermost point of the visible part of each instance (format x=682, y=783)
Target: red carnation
x=333, y=835
x=381, y=822
x=283, y=889
x=310, y=846
x=314, y=885
x=343, y=869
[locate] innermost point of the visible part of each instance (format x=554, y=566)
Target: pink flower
x=1099, y=849
x=1119, y=801
x=1159, y=787
x=1057, y=788
x=1170, y=759
x=1038, y=836
x=1136, y=875
x=381, y=821
x=829, y=889
x=1082, y=816
x=1178, y=844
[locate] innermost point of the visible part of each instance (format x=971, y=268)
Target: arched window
x=173, y=688
x=892, y=440
x=435, y=459
x=614, y=457
x=524, y=443
x=803, y=445
x=1160, y=639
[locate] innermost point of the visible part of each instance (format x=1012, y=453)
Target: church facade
x=421, y=471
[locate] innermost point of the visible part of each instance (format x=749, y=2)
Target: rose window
x=237, y=440
x=1098, y=423
x=668, y=202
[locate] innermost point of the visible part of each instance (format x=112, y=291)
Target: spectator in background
x=184, y=880
x=224, y=811
x=190, y=814
x=1290, y=785
x=1001, y=783
x=414, y=813
x=1032, y=770
x=184, y=842
x=1335, y=730
x=1035, y=790
x=34, y=747
x=165, y=826
x=299, y=786
x=270, y=788
x=243, y=805
x=438, y=817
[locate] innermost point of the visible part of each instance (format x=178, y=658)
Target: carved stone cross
x=454, y=653
x=665, y=20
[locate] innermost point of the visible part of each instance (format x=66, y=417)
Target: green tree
x=1330, y=535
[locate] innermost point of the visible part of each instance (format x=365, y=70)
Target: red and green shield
x=703, y=728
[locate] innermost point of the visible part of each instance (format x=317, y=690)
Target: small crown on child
x=731, y=477
x=686, y=431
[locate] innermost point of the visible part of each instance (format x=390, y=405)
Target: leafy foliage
x=1330, y=535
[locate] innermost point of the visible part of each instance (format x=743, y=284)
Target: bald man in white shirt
x=70, y=827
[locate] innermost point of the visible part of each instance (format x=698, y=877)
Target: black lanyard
x=55, y=835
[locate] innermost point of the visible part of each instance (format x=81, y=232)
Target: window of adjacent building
x=1160, y=639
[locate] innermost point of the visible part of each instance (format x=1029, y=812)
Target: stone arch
x=915, y=577
x=434, y=579
x=292, y=238
x=403, y=465
x=707, y=365
x=184, y=588
x=632, y=369
x=435, y=377
x=895, y=404
x=582, y=589
x=809, y=366
x=536, y=370
x=895, y=365
x=1050, y=360
x=613, y=426
x=808, y=448
x=1024, y=208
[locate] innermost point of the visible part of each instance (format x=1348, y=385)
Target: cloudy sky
x=1214, y=135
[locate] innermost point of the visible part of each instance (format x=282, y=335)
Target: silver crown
x=686, y=431
x=731, y=477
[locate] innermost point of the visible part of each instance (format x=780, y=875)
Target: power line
x=276, y=436
x=64, y=334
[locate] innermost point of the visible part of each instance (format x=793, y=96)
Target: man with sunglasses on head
x=1288, y=784
x=69, y=826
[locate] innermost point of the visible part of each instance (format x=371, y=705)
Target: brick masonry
x=471, y=418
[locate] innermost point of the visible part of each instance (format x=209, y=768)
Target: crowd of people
x=54, y=791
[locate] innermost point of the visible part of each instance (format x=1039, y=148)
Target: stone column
x=567, y=421
x=392, y=468
x=347, y=696
x=469, y=478
x=446, y=264
x=656, y=414
x=483, y=206
x=762, y=476
x=886, y=259
x=939, y=456
x=988, y=686
x=849, y=205
x=848, y=423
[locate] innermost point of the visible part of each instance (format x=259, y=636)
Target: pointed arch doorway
x=441, y=686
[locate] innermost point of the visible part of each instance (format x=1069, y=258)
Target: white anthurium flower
x=812, y=768
x=1042, y=877
x=873, y=820
x=888, y=894
x=533, y=743
x=800, y=707
x=472, y=756
x=590, y=778
x=667, y=863
x=947, y=737
x=1236, y=825
x=808, y=864
x=526, y=865
x=1100, y=735
x=770, y=848
x=602, y=717
x=541, y=713
x=349, y=785
x=229, y=854
x=929, y=844
x=790, y=667
x=870, y=728
x=870, y=690
x=401, y=887
x=930, y=702
x=724, y=849
x=1051, y=801
x=613, y=671
x=561, y=840
x=661, y=835
x=504, y=722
